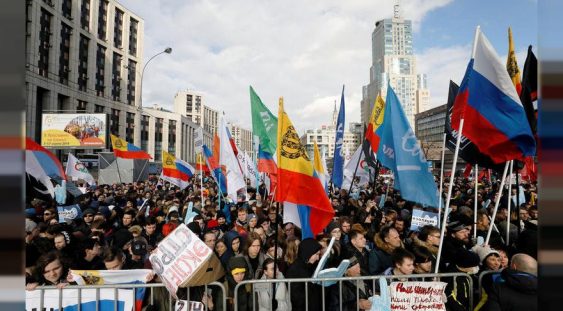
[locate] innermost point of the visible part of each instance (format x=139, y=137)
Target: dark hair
x=250, y=238
x=384, y=232
x=399, y=255
x=266, y=262
x=130, y=212
x=45, y=260
x=354, y=232
x=426, y=231
x=111, y=253
x=151, y=220
x=422, y=255
x=344, y=219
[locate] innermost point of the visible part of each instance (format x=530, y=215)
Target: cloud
x=304, y=51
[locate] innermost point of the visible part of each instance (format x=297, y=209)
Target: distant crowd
x=371, y=228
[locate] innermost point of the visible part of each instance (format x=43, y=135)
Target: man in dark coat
x=308, y=256
x=517, y=287
x=456, y=239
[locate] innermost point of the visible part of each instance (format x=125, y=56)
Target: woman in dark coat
x=304, y=266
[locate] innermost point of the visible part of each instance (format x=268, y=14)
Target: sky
x=306, y=50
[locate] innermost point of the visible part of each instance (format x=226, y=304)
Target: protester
x=349, y=299
x=283, y=300
x=51, y=269
x=386, y=241
x=237, y=272
x=304, y=266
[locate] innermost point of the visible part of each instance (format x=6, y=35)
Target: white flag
x=77, y=170
x=233, y=173
x=363, y=172
x=250, y=171
x=198, y=139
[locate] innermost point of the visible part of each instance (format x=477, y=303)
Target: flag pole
x=518, y=201
x=475, y=203
x=117, y=164
x=450, y=187
x=509, y=220
x=440, y=199
x=142, y=170
x=497, y=201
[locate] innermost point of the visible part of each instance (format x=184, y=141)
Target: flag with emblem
x=123, y=149
x=77, y=170
x=176, y=171
x=298, y=183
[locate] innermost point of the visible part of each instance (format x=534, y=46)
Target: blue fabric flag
x=338, y=164
x=400, y=151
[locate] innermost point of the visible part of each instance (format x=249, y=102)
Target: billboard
x=73, y=130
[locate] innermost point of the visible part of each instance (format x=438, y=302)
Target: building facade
x=243, y=138
x=326, y=136
x=429, y=129
x=83, y=56
x=166, y=130
x=393, y=60
x=191, y=104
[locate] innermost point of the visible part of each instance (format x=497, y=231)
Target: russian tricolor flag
x=494, y=118
x=175, y=170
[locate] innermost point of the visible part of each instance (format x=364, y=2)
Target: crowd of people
x=122, y=223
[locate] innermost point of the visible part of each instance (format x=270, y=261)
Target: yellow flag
x=118, y=143
x=292, y=156
x=512, y=65
x=168, y=160
x=317, y=161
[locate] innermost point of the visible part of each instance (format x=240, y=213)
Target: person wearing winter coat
x=386, y=241
x=349, y=299
x=517, y=287
x=237, y=272
x=308, y=256
x=283, y=300
x=458, y=290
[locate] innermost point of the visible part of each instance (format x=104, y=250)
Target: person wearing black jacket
x=348, y=297
x=308, y=256
x=517, y=287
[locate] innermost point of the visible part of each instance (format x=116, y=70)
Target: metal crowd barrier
x=481, y=276
x=402, y=278
x=115, y=287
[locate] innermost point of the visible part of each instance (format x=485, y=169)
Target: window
x=64, y=57
x=98, y=109
x=145, y=133
x=131, y=72
x=172, y=136
x=133, y=26
x=114, y=122
x=158, y=139
x=116, y=77
x=100, y=70
x=130, y=127
x=85, y=15
x=81, y=107
x=118, y=29
x=102, y=19
x=67, y=8
x=44, y=45
x=83, y=63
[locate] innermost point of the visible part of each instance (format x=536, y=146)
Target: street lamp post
x=138, y=117
x=168, y=50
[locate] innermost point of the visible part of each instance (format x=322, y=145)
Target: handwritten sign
x=184, y=305
x=182, y=259
x=105, y=297
x=418, y=296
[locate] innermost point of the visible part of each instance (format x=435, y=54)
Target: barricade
x=374, y=280
x=481, y=276
x=117, y=289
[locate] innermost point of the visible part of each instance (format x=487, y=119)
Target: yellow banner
x=377, y=114
x=511, y=64
x=317, y=161
x=118, y=143
x=168, y=160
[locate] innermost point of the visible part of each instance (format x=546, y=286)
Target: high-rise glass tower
x=393, y=60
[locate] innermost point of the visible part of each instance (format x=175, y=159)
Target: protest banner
x=69, y=213
x=421, y=218
x=183, y=260
x=70, y=299
x=417, y=296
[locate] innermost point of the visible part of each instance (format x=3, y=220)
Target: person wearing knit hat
x=489, y=258
x=333, y=229
x=456, y=239
x=237, y=271
x=308, y=256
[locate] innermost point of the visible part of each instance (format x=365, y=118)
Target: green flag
x=264, y=123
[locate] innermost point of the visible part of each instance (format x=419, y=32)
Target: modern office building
x=83, y=56
x=325, y=137
x=166, y=130
x=393, y=60
x=191, y=104
x=243, y=138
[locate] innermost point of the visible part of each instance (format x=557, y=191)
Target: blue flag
x=338, y=158
x=400, y=151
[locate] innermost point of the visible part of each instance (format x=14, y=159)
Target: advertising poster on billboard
x=73, y=130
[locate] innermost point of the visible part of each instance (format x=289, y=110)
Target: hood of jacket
x=520, y=281
x=382, y=245
x=307, y=248
x=229, y=236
